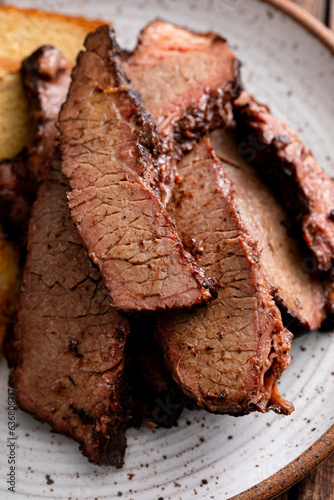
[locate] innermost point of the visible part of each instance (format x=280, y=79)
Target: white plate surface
x=206, y=456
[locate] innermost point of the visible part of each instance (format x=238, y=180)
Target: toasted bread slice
x=21, y=32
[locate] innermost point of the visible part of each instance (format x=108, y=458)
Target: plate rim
x=323, y=447
x=299, y=14
x=292, y=473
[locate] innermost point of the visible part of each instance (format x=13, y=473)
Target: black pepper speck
x=48, y=479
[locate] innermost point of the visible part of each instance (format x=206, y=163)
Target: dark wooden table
x=319, y=484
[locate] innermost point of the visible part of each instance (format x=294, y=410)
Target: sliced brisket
x=187, y=81
x=69, y=348
x=46, y=79
x=283, y=262
x=110, y=150
x=229, y=355
x=292, y=171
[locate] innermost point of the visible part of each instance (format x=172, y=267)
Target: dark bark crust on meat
x=69, y=348
x=103, y=43
x=201, y=119
x=132, y=277
x=228, y=356
x=293, y=322
x=192, y=112
x=291, y=170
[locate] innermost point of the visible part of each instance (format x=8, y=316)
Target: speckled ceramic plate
x=290, y=66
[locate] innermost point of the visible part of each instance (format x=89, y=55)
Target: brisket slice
x=69, y=348
x=283, y=262
x=45, y=78
x=229, y=355
x=187, y=81
x=292, y=171
x=109, y=151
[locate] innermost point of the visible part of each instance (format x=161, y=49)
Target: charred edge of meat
x=294, y=201
x=276, y=170
x=33, y=66
x=288, y=318
x=109, y=443
x=111, y=451
x=215, y=113
x=279, y=173
x=45, y=64
x=108, y=451
x=113, y=56
x=110, y=52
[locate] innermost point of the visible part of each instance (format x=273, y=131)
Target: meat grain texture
x=69, y=346
x=297, y=292
x=228, y=356
x=110, y=149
